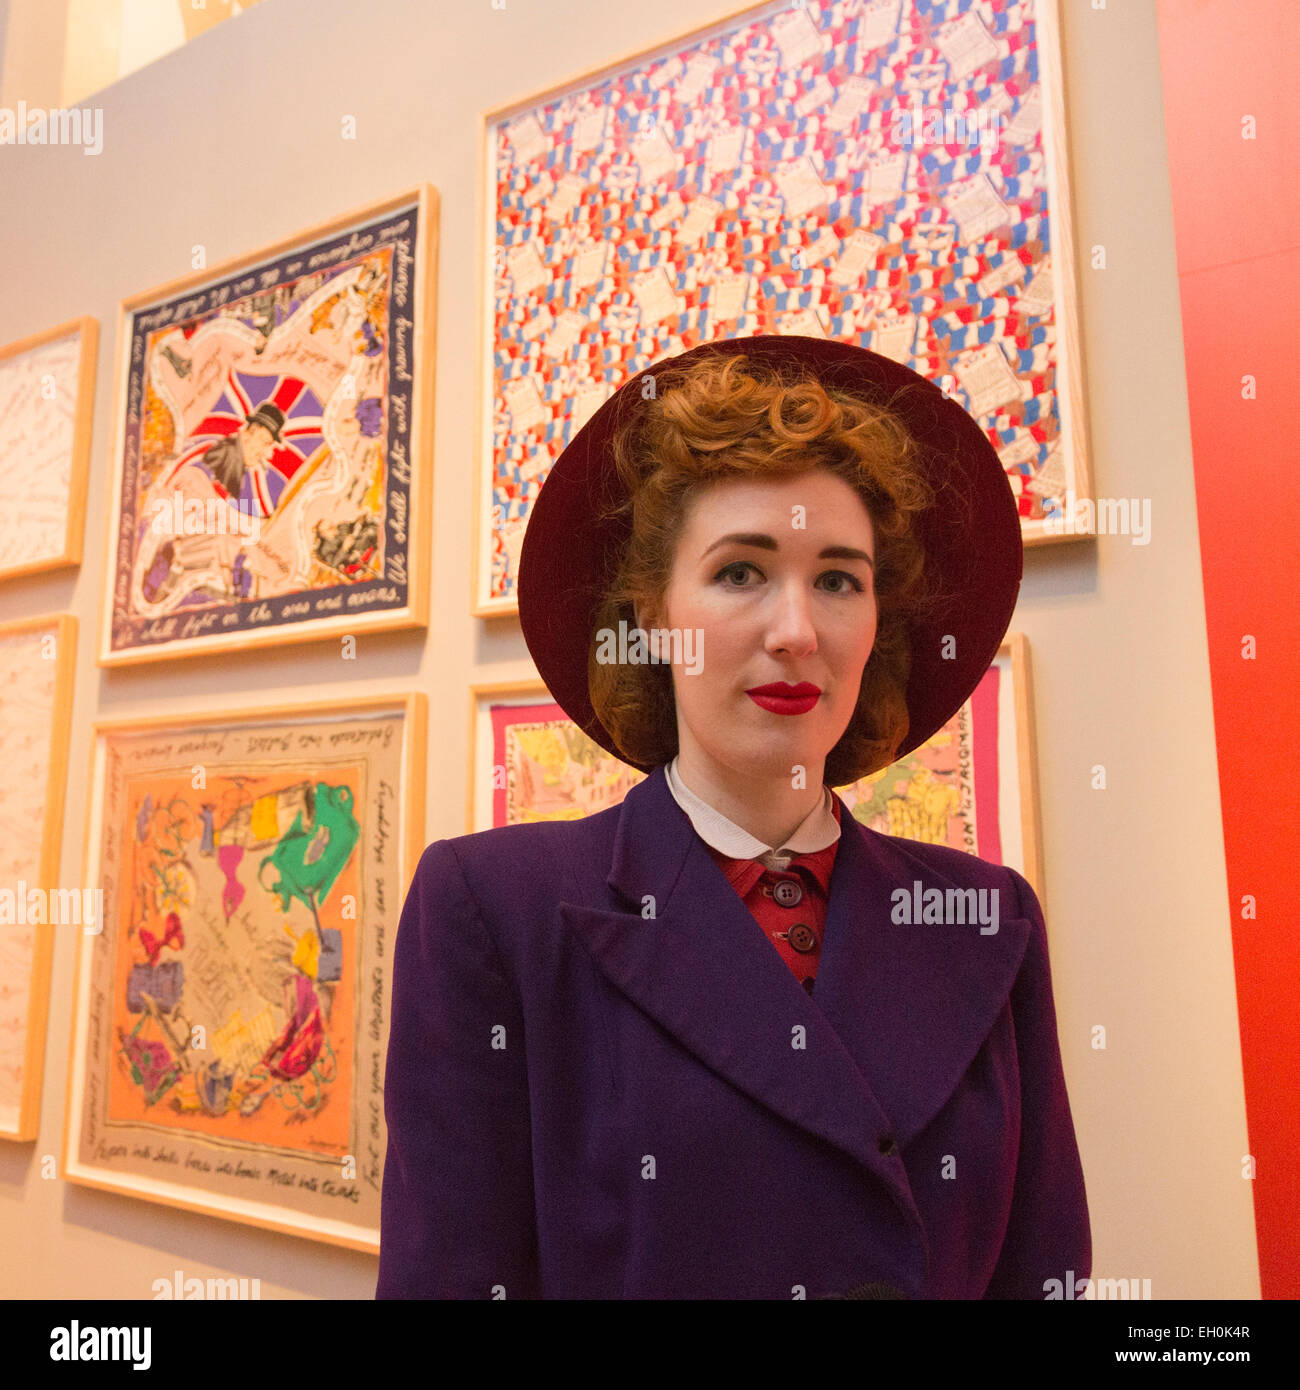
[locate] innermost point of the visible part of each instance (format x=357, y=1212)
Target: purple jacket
x=603, y=1081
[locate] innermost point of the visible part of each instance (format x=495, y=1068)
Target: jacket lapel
x=911, y=1002
x=898, y=1012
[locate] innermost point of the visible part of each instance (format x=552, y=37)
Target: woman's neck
x=768, y=808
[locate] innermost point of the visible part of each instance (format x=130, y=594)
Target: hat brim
x=971, y=534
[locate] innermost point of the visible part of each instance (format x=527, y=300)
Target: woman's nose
x=792, y=628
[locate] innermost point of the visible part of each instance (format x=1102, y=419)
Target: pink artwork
x=946, y=791
x=550, y=769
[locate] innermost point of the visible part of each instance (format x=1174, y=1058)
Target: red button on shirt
x=754, y=883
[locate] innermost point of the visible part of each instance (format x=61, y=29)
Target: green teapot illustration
x=310, y=856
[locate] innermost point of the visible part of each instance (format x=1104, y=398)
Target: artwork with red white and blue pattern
x=874, y=171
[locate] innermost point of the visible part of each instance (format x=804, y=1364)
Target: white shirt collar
x=817, y=830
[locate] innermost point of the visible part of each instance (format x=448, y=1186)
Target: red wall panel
x=1236, y=209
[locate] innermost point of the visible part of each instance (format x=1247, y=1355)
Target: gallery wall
x=235, y=141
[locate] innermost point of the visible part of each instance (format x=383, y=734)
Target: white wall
x=233, y=141
x=31, y=52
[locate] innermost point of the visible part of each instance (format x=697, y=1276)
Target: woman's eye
x=844, y=574
x=742, y=566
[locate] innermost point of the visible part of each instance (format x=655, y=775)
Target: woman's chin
x=775, y=754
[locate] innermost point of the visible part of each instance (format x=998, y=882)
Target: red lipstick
x=782, y=698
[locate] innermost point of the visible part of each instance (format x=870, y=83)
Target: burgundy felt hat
x=971, y=534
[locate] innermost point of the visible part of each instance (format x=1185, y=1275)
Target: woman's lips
x=780, y=698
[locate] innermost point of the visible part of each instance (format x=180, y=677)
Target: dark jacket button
x=887, y=1145
x=802, y=937
x=787, y=892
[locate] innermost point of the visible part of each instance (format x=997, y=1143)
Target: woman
x=700, y=1045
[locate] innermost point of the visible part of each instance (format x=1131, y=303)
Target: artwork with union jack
x=266, y=460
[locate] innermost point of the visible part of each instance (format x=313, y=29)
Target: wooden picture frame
x=317, y=525
x=47, y=411
x=35, y=729
x=980, y=771
x=228, y=1047
x=636, y=210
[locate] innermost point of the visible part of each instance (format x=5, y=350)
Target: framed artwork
x=974, y=783
x=272, y=443
x=891, y=173
x=530, y=761
x=36, y=670
x=230, y=1021
x=47, y=405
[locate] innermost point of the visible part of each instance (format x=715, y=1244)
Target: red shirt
x=792, y=918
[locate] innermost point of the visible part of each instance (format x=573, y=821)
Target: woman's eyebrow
x=765, y=542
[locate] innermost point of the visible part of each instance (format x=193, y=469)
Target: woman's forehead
x=817, y=497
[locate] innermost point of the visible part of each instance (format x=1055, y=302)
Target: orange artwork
x=232, y=1010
